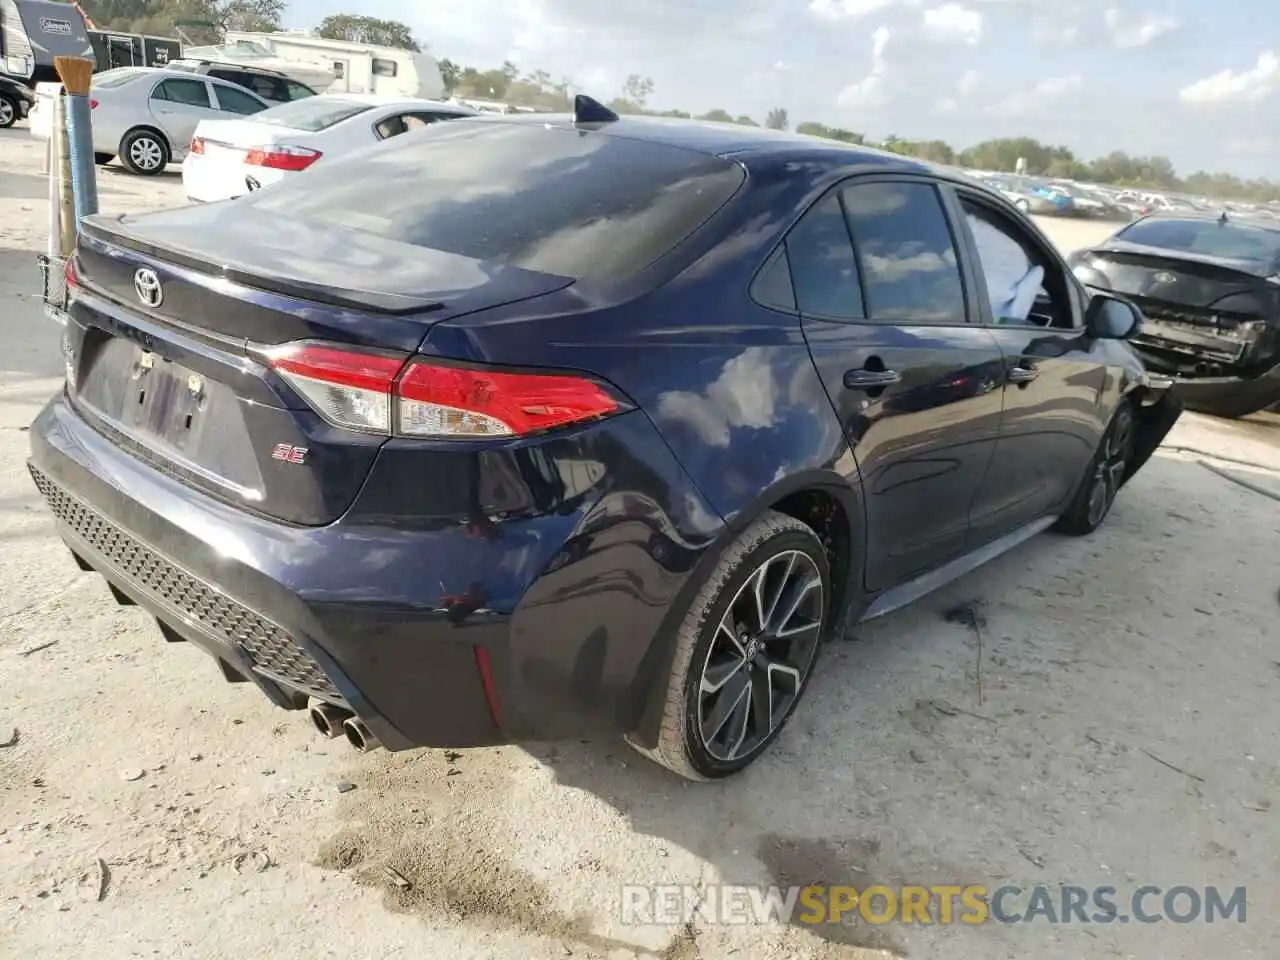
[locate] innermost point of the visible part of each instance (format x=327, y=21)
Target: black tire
x=144, y=152
x=102, y=159
x=9, y=111
x=761, y=673
x=1103, y=477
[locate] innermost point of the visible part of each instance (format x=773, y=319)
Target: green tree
x=717, y=116
x=777, y=119
x=371, y=30
x=450, y=73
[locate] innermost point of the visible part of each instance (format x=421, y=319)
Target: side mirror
x=1110, y=318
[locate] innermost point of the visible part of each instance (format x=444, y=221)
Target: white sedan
x=229, y=158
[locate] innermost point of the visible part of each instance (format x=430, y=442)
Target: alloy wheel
x=7, y=116
x=146, y=154
x=760, y=655
x=1109, y=473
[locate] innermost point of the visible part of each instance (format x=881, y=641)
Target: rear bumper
x=1230, y=396
x=540, y=627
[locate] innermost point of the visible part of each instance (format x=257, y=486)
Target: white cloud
x=1138, y=32
x=1247, y=86
x=966, y=87
x=953, y=23
x=1037, y=98
x=870, y=90
x=846, y=9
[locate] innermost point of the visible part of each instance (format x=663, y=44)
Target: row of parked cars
x=234, y=130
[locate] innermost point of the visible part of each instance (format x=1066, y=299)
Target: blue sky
x=1194, y=81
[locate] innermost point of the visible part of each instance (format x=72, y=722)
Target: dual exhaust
x=334, y=722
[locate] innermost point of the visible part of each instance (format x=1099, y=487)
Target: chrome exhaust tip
x=360, y=736
x=327, y=718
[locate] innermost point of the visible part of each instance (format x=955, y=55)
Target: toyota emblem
x=147, y=286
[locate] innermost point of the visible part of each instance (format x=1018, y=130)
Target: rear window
x=1231, y=240
x=314, y=114
x=115, y=78
x=551, y=199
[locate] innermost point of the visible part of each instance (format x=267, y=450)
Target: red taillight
x=71, y=279
x=282, y=157
x=197, y=145
x=437, y=401
x=380, y=393
x=93, y=104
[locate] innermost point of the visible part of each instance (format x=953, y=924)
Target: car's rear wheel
x=8, y=111
x=745, y=650
x=1105, y=474
x=144, y=152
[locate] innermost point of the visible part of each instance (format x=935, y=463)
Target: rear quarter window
x=590, y=206
x=1231, y=241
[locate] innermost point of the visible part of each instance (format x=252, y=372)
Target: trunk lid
x=176, y=380
x=234, y=138
x=1205, y=315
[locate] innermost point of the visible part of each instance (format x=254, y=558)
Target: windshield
x=551, y=199
x=313, y=114
x=1231, y=240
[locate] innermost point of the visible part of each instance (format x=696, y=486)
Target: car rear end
x=274, y=440
x=229, y=158
x=1209, y=291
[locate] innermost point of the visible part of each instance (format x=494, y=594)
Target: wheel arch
x=823, y=500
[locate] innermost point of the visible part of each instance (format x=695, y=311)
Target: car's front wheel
x=745, y=650
x=1103, y=477
x=144, y=152
x=9, y=112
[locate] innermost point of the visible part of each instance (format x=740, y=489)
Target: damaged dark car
x=529, y=429
x=1209, y=289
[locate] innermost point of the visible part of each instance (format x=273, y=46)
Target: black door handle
x=1023, y=374
x=870, y=379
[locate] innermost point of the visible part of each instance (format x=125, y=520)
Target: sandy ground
x=1125, y=735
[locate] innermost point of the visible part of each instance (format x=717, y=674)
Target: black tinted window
x=908, y=262
x=823, y=270
x=237, y=101
x=556, y=200
x=194, y=93
x=1231, y=240
x=772, y=286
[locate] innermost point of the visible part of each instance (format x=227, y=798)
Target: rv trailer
x=34, y=32
x=356, y=67
x=113, y=49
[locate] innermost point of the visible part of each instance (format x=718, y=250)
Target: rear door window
x=905, y=252
x=193, y=93
x=586, y=205
x=238, y=101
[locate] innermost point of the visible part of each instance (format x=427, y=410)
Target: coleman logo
x=59, y=28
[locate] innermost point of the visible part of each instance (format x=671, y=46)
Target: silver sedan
x=147, y=116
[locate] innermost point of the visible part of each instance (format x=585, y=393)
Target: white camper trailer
x=356, y=67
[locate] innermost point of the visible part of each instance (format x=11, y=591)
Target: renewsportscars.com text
x=675, y=904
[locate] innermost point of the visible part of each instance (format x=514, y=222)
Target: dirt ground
x=1125, y=734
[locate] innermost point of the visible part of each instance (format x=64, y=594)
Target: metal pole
x=77, y=76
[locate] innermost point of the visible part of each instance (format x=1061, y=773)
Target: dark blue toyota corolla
x=522, y=429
